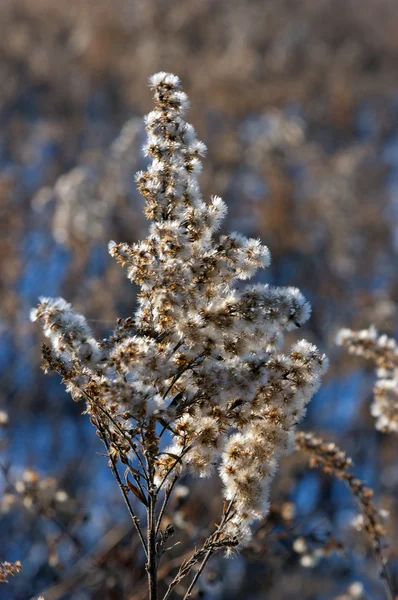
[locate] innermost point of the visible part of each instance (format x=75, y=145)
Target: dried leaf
x=137, y=492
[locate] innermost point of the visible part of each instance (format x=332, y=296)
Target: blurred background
x=297, y=103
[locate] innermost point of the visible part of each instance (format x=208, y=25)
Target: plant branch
x=165, y=502
x=211, y=545
x=115, y=473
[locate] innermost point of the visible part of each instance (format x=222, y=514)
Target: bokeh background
x=297, y=102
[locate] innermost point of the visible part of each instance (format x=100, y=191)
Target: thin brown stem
x=165, y=502
x=116, y=475
x=120, y=430
x=152, y=558
x=152, y=564
x=211, y=545
x=198, y=573
x=113, y=421
x=211, y=550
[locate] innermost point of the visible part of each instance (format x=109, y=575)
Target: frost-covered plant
x=384, y=353
x=196, y=381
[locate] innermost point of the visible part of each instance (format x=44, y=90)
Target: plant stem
x=388, y=587
x=165, y=501
x=210, y=546
x=116, y=475
x=152, y=559
x=152, y=563
x=198, y=573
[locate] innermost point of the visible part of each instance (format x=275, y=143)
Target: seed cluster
x=201, y=361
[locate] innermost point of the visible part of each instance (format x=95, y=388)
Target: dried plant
x=8, y=568
x=332, y=460
x=384, y=353
x=200, y=363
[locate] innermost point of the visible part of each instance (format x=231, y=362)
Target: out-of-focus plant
x=334, y=461
x=86, y=197
x=383, y=351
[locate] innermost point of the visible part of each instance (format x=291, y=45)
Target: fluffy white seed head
x=202, y=356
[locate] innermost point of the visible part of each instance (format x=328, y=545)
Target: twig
x=115, y=472
x=165, y=501
x=151, y=566
x=210, y=551
x=210, y=546
x=113, y=421
x=198, y=573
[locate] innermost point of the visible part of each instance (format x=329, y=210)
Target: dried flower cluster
x=201, y=361
x=8, y=569
x=384, y=353
x=334, y=461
